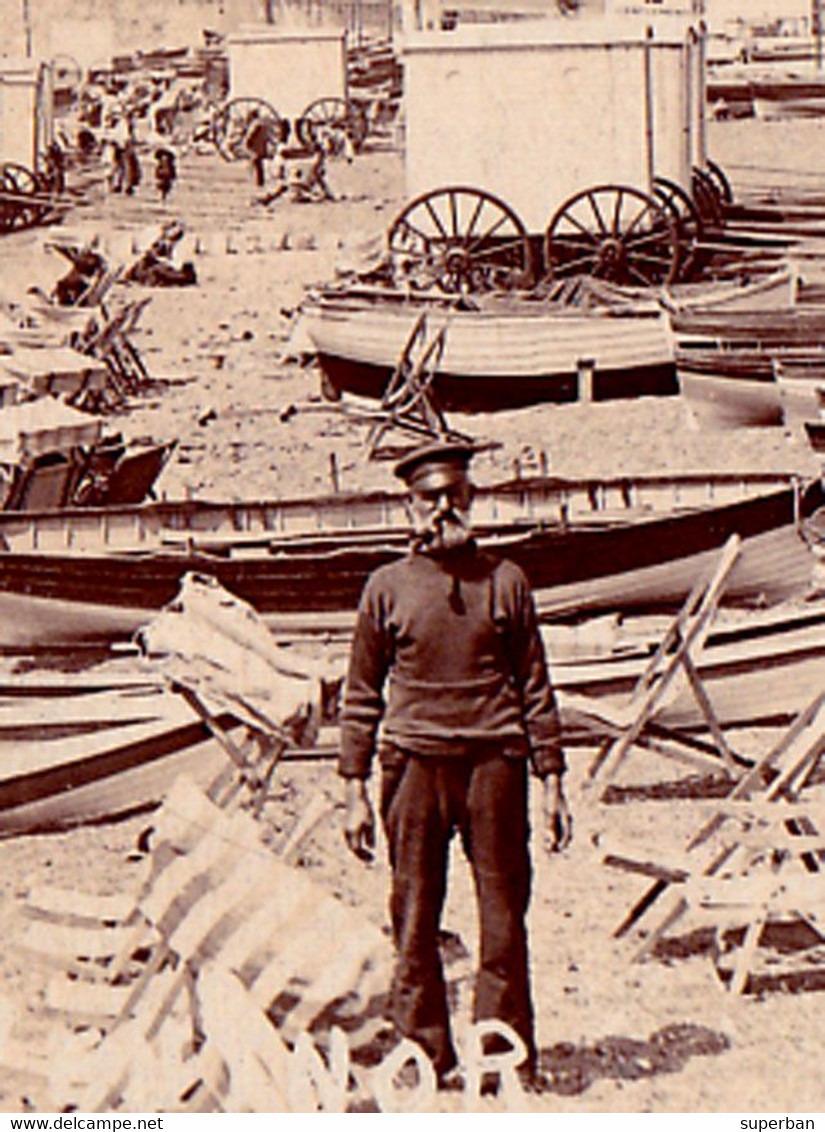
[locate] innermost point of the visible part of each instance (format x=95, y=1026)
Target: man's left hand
x=558, y=822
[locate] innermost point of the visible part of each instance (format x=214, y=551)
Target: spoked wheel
x=617, y=233
x=334, y=117
x=15, y=215
x=23, y=183
x=462, y=240
x=67, y=72
x=234, y=122
x=687, y=218
x=707, y=197
x=18, y=178
x=719, y=177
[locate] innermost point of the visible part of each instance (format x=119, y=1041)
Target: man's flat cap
x=436, y=464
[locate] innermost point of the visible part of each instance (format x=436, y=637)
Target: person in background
x=258, y=144
x=166, y=172
x=131, y=162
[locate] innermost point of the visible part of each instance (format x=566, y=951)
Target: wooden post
x=27, y=27
x=586, y=369
x=702, y=94
x=690, y=94
x=649, y=138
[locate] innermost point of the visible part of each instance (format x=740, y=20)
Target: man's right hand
x=359, y=820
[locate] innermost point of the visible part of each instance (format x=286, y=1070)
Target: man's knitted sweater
x=454, y=639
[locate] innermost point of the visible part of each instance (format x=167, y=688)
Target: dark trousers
x=423, y=801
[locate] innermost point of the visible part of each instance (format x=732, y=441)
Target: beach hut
x=21, y=113
x=296, y=76
x=289, y=70
x=576, y=140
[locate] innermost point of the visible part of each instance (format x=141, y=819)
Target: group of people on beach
x=124, y=172
x=125, y=121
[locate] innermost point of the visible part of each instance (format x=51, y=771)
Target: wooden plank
x=22, y=758
x=65, y=944
x=255, y=1056
x=62, y=903
x=646, y=868
x=288, y=905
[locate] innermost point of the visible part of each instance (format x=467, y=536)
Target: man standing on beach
x=452, y=633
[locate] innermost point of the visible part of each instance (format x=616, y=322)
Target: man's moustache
x=439, y=523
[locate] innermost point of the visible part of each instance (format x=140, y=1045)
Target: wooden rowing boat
x=749, y=388
x=94, y=574
x=729, y=388
x=514, y=355
x=80, y=747
x=782, y=328
x=816, y=435
x=759, y=668
x=800, y=385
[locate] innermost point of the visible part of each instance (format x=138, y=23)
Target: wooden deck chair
x=209, y=875
x=104, y=345
x=111, y=967
x=44, y=484
x=120, y=354
x=759, y=856
x=256, y=893
x=410, y=402
x=135, y=311
x=304, y=962
x=134, y=474
x=676, y=657
x=99, y=288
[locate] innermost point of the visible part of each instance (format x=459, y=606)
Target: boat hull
x=600, y=563
x=132, y=739
x=101, y=770
x=722, y=400
x=497, y=360
x=762, y=671
x=477, y=394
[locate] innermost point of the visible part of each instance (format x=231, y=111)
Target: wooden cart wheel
x=8, y=212
x=335, y=115
x=233, y=122
x=707, y=198
x=691, y=228
x=462, y=240
x=21, y=181
x=719, y=177
x=614, y=232
x=18, y=178
x=14, y=215
x=67, y=72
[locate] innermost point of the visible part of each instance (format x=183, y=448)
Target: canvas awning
x=54, y=370
x=46, y=425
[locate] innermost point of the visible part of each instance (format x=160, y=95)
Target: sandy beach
x=661, y=1036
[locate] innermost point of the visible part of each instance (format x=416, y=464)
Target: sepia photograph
x=412, y=557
